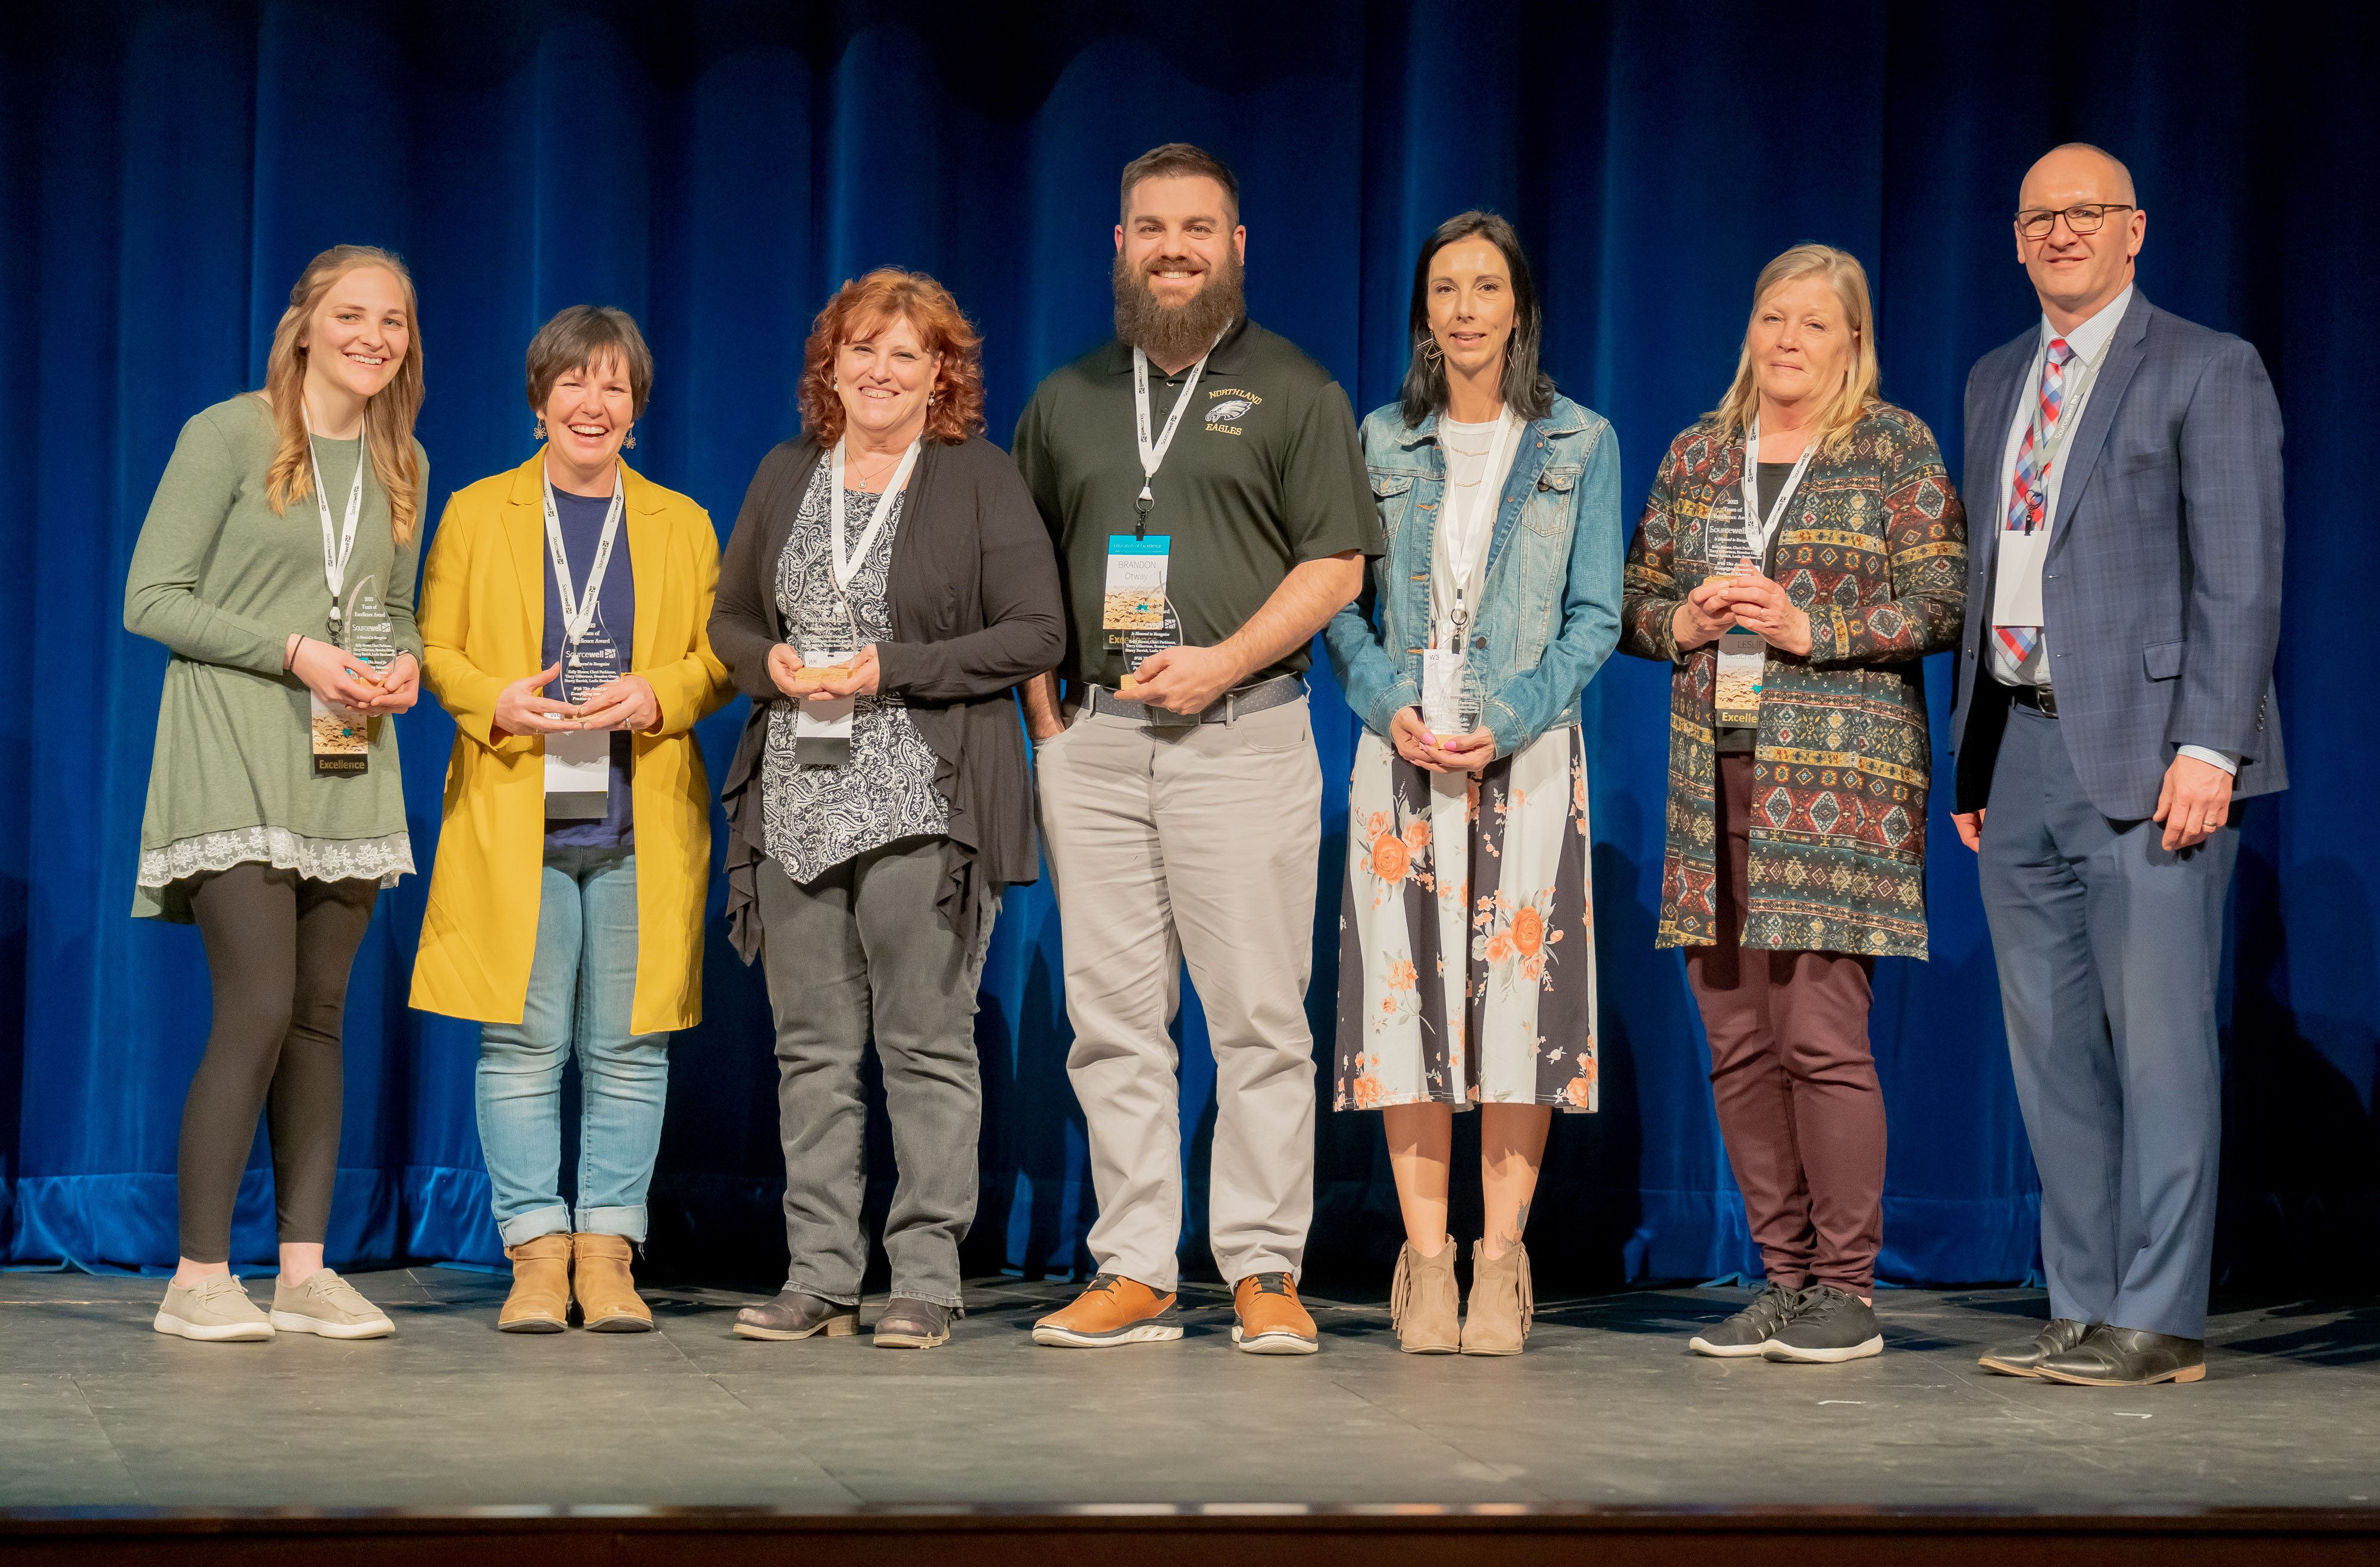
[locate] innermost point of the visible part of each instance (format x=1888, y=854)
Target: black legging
x=279, y=947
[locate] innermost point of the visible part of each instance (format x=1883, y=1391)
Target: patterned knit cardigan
x=1875, y=551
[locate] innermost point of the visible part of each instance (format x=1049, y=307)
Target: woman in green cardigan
x=278, y=561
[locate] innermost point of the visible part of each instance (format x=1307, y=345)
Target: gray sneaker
x=1832, y=1326
x=215, y=1310
x=328, y=1306
x=1751, y=1330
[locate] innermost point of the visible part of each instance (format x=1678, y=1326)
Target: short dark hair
x=580, y=336
x=1528, y=391
x=1173, y=160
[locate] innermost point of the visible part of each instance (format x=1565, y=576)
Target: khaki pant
x=1199, y=843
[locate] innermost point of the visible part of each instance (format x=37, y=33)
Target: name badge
x=1442, y=692
x=1135, y=586
x=1742, y=657
x=2016, y=580
x=823, y=725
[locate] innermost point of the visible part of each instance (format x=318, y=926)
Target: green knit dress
x=222, y=579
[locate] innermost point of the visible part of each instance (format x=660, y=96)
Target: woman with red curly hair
x=888, y=584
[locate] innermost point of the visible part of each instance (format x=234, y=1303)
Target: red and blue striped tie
x=2029, y=495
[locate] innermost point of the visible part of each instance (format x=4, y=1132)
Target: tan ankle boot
x=1424, y=1303
x=539, y=1302
x=607, y=1291
x=1502, y=1302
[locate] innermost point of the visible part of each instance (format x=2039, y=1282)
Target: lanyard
x=847, y=566
x=578, y=613
x=1152, y=452
x=1759, y=529
x=337, y=551
x=1467, y=541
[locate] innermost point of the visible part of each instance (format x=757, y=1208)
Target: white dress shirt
x=2090, y=340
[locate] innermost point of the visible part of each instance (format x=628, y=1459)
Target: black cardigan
x=976, y=608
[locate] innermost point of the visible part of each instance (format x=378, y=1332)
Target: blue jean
x=582, y=986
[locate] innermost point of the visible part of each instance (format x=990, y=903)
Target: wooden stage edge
x=1487, y=1535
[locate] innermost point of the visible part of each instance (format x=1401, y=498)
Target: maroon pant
x=1795, y=1085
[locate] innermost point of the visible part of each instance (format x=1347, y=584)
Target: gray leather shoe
x=2126, y=1358
x=2024, y=1358
x=913, y=1324
x=794, y=1315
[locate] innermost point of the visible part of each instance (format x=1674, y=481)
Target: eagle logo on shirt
x=1223, y=416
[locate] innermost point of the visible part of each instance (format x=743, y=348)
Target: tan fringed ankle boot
x=1424, y=1303
x=539, y=1302
x=1502, y=1304
x=607, y=1291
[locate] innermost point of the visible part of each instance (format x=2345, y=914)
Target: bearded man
x=1202, y=481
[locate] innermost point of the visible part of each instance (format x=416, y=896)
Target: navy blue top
x=615, y=615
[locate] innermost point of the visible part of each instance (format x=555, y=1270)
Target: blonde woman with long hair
x=277, y=562
x=1800, y=552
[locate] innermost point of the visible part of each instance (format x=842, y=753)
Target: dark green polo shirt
x=1271, y=476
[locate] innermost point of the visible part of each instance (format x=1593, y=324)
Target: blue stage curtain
x=166, y=169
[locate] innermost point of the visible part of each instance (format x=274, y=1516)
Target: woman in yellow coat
x=563, y=613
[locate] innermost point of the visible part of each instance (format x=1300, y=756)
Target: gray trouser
x=862, y=943
x=1199, y=842
x=2107, y=946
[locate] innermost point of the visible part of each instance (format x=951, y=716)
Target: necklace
x=867, y=479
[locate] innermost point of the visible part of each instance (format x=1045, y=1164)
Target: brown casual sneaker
x=1112, y=1310
x=1270, y=1319
x=539, y=1302
x=606, y=1290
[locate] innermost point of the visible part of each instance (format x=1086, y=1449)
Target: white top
x=1466, y=517
x=2090, y=340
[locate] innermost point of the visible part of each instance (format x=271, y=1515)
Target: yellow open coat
x=482, y=620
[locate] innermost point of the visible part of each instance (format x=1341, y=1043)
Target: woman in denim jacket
x=1467, y=946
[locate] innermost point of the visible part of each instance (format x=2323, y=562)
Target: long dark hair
x=1528, y=391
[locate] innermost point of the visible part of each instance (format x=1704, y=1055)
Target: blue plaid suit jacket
x=2161, y=589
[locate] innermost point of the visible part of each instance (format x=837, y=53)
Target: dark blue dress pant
x=2107, y=947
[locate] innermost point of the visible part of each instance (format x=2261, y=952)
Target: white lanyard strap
x=1467, y=535
x=578, y=613
x=336, y=547
x=846, y=566
x=1759, y=529
x=1152, y=452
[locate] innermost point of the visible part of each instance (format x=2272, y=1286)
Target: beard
x=1174, y=333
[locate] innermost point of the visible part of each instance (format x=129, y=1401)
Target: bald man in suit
x=2115, y=704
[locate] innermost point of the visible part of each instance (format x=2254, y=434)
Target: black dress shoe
x=2024, y=1358
x=913, y=1324
x=794, y=1315
x=2126, y=1358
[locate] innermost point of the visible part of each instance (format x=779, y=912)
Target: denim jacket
x=1550, y=609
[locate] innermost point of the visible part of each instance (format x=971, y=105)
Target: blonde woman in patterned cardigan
x=1796, y=849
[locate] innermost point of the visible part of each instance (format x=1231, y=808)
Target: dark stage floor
x=1608, y=1407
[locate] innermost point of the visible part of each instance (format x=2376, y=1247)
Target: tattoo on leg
x=1520, y=1222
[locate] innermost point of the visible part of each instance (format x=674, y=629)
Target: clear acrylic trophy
x=368, y=635
x=578, y=763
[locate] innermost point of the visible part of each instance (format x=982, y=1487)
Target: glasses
x=2037, y=224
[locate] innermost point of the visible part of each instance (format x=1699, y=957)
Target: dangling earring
x=629, y=441
x=537, y=431
x=1426, y=345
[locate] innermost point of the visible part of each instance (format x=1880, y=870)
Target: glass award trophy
x=578, y=763
x=1743, y=656
x=368, y=635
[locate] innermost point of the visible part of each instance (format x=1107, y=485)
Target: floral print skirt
x=1466, y=946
